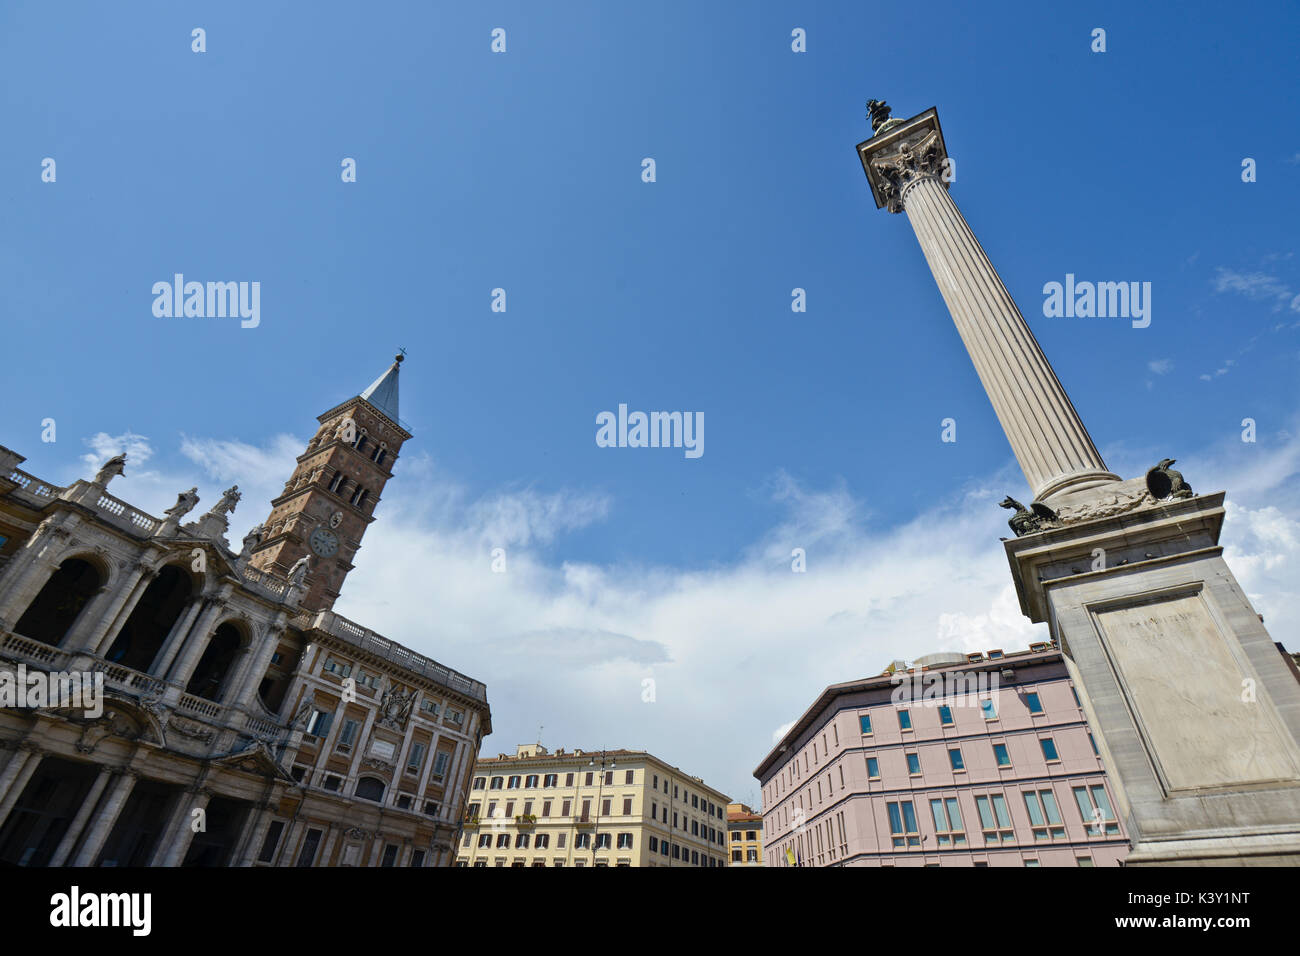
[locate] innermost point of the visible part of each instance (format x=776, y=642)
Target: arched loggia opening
x=157, y=611
x=55, y=609
x=215, y=665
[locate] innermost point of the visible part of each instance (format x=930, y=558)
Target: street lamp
x=606, y=762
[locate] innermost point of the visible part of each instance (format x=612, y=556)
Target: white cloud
x=734, y=648
x=1161, y=366
x=1258, y=286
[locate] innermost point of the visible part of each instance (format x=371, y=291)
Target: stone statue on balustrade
x=229, y=498
x=112, y=468
x=185, y=503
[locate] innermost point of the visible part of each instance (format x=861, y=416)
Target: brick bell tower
x=331, y=497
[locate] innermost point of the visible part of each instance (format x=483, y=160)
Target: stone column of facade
x=182, y=834
x=17, y=774
x=25, y=587
x=905, y=165
x=332, y=833
x=101, y=640
x=196, y=641
x=262, y=817
x=90, y=629
x=171, y=645
x=248, y=680
x=101, y=824
x=69, y=840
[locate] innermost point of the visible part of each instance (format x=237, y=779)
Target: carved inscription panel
x=1200, y=722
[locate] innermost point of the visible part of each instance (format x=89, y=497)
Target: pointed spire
x=382, y=392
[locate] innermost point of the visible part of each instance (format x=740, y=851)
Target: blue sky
x=522, y=171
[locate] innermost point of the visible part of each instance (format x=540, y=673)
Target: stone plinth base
x=1195, y=711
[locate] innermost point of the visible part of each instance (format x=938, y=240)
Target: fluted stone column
x=94, y=626
x=79, y=821
x=17, y=773
x=104, y=639
x=101, y=824
x=906, y=165
x=182, y=833
x=1159, y=638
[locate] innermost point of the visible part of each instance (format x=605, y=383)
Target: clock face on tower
x=324, y=542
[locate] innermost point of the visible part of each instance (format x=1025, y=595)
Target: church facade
x=227, y=715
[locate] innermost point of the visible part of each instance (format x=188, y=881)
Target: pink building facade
x=963, y=760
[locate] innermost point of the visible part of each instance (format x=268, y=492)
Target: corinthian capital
x=902, y=154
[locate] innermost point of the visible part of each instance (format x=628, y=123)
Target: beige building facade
x=583, y=808
x=237, y=719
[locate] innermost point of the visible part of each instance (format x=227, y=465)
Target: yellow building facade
x=584, y=808
x=744, y=836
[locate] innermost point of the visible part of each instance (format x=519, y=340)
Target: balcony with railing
x=31, y=489
x=367, y=640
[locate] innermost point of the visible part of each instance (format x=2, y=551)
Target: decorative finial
x=401, y=354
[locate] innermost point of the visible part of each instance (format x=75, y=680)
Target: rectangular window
x=1033, y=703
x=1001, y=755
x=390, y=855
x=864, y=722
x=945, y=715
x=590, y=777
x=561, y=840
x=319, y=725
x=564, y=812
x=1093, y=741
x=609, y=778
x=307, y=855
x=273, y=834
x=604, y=807
x=625, y=841
x=1095, y=809
x=902, y=823
x=995, y=820
x=989, y=709
x=546, y=808
x=530, y=781
x=627, y=806
x=568, y=780
x=1044, y=815
x=416, y=757
x=1049, y=749
x=954, y=758
x=629, y=777
x=947, y=821
x=440, y=763
x=904, y=720
x=550, y=780
x=913, y=764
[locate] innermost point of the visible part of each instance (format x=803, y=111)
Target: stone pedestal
x=1195, y=710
